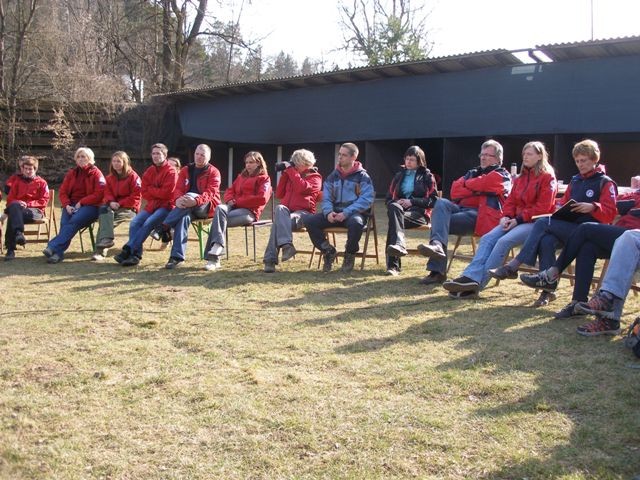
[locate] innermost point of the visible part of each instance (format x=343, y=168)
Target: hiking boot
x=434, y=278
x=600, y=326
x=464, y=295
x=503, y=272
x=396, y=251
x=392, y=272
x=269, y=267
x=156, y=233
x=539, y=280
x=131, y=261
x=105, y=243
x=348, y=262
x=288, y=252
x=216, y=250
x=55, y=258
x=212, y=265
x=568, y=311
x=173, y=263
x=600, y=304
x=20, y=240
x=47, y=252
x=544, y=299
x=432, y=250
x=328, y=256
x=11, y=255
x=461, y=284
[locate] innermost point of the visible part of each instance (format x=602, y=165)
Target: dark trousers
x=399, y=220
x=586, y=244
x=354, y=224
x=547, y=235
x=17, y=216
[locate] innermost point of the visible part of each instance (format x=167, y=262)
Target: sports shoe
x=461, y=284
x=11, y=255
x=544, y=299
x=539, y=280
x=288, y=252
x=173, y=263
x=123, y=255
x=47, y=252
x=568, y=311
x=212, y=265
x=434, y=278
x=96, y=257
x=432, y=250
x=20, y=240
x=600, y=326
x=328, y=258
x=166, y=237
x=105, y=243
x=348, y=262
x=392, y=272
x=216, y=250
x=503, y=272
x=600, y=304
x=464, y=295
x=55, y=258
x=269, y=267
x=131, y=261
x=156, y=233
x=396, y=251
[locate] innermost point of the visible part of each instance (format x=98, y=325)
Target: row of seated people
x=480, y=203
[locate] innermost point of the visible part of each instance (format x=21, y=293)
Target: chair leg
x=246, y=242
x=93, y=238
x=253, y=227
x=364, y=249
x=453, y=252
x=226, y=240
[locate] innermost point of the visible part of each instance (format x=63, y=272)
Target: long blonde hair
x=262, y=165
x=543, y=164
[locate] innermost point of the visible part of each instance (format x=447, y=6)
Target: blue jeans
x=493, y=248
x=284, y=223
x=180, y=220
x=141, y=226
x=70, y=225
x=624, y=261
x=448, y=217
x=547, y=235
x=354, y=224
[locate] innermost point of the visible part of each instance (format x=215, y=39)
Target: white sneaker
x=96, y=257
x=216, y=249
x=212, y=265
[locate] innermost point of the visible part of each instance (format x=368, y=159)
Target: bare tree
x=385, y=31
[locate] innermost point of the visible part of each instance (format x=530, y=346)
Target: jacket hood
x=357, y=166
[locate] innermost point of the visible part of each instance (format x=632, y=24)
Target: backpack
x=632, y=337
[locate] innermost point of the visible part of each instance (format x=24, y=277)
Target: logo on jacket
x=589, y=193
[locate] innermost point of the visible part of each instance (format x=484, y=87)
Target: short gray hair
x=303, y=158
x=498, y=148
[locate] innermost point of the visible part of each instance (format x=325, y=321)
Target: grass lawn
x=142, y=373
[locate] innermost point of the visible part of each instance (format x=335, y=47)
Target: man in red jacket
x=27, y=198
x=475, y=208
x=197, y=195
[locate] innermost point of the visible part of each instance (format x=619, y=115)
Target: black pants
x=17, y=216
x=587, y=243
x=399, y=220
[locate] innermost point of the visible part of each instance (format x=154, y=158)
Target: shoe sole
x=511, y=276
x=393, y=251
x=546, y=287
x=587, y=311
x=457, y=296
x=427, y=252
x=597, y=334
x=456, y=287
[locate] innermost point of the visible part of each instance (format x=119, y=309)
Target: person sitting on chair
x=81, y=196
x=347, y=197
x=121, y=202
x=589, y=242
x=595, y=194
x=411, y=196
x=197, y=195
x=475, y=208
x=298, y=191
x=27, y=198
x=158, y=184
x=608, y=302
x=244, y=202
x=533, y=193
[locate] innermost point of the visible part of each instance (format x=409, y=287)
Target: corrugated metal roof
x=455, y=63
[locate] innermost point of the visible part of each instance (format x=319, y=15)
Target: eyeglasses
x=480, y=155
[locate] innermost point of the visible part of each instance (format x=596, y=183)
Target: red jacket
x=606, y=209
x=158, y=184
x=208, y=186
x=250, y=192
x=125, y=191
x=83, y=185
x=299, y=191
x=32, y=191
x=485, y=189
x=531, y=195
x=631, y=219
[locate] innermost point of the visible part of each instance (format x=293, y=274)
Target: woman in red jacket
x=244, y=202
x=533, y=193
x=28, y=196
x=122, y=198
x=81, y=196
x=298, y=191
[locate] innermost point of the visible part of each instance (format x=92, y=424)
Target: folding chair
x=41, y=231
x=254, y=226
